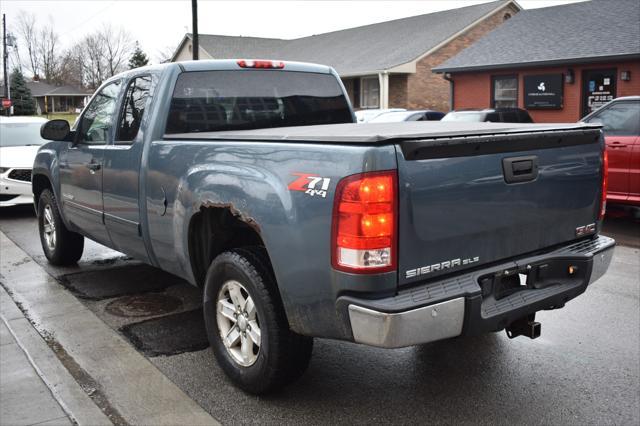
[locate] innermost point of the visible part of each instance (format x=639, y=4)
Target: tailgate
x=466, y=202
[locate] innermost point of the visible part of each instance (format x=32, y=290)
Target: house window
x=369, y=92
x=505, y=91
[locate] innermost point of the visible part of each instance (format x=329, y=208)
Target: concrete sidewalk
x=95, y=376
x=35, y=388
x=24, y=397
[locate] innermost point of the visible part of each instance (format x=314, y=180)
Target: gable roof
x=40, y=89
x=370, y=48
x=596, y=30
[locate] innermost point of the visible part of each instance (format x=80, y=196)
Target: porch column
x=383, y=80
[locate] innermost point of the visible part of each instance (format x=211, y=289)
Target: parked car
x=621, y=121
x=19, y=143
x=365, y=115
x=421, y=115
x=298, y=223
x=494, y=115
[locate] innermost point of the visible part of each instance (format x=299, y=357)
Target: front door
x=81, y=165
x=122, y=172
x=598, y=88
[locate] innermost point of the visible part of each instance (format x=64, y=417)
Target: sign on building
x=543, y=91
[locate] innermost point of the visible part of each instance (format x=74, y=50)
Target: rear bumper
x=473, y=303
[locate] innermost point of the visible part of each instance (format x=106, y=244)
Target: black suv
x=496, y=115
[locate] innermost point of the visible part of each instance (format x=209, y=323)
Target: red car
x=621, y=121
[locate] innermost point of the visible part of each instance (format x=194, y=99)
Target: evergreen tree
x=138, y=59
x=23, y=103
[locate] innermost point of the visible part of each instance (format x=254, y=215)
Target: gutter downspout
x=452, y=92
x=383, y=82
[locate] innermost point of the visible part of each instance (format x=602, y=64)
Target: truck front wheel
x=246, y=324
x=60, y=246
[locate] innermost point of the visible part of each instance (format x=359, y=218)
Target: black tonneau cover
x=379, y=133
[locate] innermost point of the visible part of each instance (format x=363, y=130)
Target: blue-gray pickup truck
x=251, y=180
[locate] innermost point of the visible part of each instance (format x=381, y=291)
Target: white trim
x=383, y=87
x=179, y=48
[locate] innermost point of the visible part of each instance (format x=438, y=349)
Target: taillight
x=605, y=179
x=365, y=223
x=250, y=63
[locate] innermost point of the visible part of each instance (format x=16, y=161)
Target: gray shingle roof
x=357, y=50
x=39, y=89
x=579, y=32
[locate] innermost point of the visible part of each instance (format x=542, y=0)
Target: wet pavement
x=585, y=368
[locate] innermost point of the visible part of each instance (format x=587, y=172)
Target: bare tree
x=71, y=68
x=27, y=31
x=164, y=55
x=49, y=57
x=118, y=47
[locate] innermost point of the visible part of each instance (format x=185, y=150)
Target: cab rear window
x=207, y=101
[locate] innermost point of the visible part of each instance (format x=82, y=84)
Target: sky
x=159, y=25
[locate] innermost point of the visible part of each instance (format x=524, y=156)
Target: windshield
x=20, y=134
x=464, y=116
x=206, y=101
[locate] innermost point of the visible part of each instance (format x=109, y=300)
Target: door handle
x=617, y=144
x=520, y=169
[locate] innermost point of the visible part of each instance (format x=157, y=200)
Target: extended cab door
x=122, y=171
x=620, y=122
x=81, y=165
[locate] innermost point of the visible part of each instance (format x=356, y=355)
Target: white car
x=19, y=142
x=365, y=115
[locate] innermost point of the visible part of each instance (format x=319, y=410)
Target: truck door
x=81, y=165
x=122, y=171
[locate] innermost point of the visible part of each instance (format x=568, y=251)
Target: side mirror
x=55, y=130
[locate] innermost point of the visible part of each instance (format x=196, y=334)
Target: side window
x=509, y=117
x=133, y=109
x=492, y=117
x=524, y=117
x=97, y=120
x=620, y=119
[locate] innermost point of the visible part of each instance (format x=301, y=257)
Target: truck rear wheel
x=60, y=246
x=246, y=324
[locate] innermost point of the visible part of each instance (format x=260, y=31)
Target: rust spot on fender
x=234, y=212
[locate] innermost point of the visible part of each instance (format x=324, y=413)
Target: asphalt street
x=584, y=369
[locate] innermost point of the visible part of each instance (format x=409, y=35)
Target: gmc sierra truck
x=251, y=180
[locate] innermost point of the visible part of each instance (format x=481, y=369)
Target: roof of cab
x=232, y=64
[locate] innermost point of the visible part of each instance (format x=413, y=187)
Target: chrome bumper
x=404, y=324
x=397, y=330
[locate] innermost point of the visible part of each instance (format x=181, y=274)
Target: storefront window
x=369, y=92
x=505, y=92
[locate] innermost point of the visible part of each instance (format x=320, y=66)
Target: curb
x=105, y=368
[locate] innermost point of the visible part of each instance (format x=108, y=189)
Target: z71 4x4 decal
x=310, y=184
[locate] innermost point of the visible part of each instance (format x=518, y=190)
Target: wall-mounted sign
x=599, y=87
x=543, y=91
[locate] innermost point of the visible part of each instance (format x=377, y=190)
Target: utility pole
x=4, y=61
x=194, y=23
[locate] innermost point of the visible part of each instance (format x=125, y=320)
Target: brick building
x=382, y=65
x=559, y=63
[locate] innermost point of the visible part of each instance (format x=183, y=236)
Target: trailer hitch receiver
x=526, y=326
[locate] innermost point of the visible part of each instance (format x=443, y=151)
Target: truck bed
x=462, y=198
